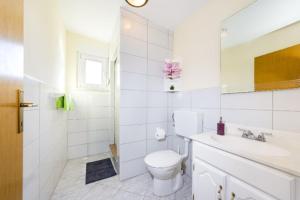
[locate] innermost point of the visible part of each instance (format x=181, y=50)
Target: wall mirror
x=260, y=47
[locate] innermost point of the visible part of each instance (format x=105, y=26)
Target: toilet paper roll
x=160, y=134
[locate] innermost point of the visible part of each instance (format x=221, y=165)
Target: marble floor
x=72, y=185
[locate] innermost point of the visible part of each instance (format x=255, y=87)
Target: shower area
x=90, y=83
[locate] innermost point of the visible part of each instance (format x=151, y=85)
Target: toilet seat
x=163, y=159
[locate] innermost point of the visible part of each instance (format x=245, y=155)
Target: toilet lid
x=161, y=159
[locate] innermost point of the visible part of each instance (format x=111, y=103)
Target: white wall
x=90, y=124
x=143, y=103
x=45, y=138
x=197, y=43
x=44, y=42
x=45, y=141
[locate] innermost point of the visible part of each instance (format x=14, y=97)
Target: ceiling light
x=137, y=3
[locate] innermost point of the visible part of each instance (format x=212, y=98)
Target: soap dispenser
x=221, y=127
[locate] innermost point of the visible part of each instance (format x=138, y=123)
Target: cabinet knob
x=232, y=196
x=219, y=196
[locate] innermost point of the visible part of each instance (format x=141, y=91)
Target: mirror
x=260, y=47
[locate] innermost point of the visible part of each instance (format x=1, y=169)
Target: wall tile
x=132, y=151
x=156, y=115
x=32, y=90
x=31, y=166
x=134, y=28
x=77, y=138
x=99, y=112
x=158, y=36
x=97, y=148
x=131, y=81
x=31, y=126
x=181, y=99
x=133, y=64
x=155, y=68
x=98, y=124
x=98, y=136
x=155, y=84
x=206, y=98
x=143, y=102
x=132, y=116
x=133, y=17
x=132, y=168
x=77, y=151
x=77, y=125
x=130, y=98
x=171, y=128
x=158, y=53
x=133, y=46
x=79, y=112
x=254, y=100
x=171, y=112
x=154, y=145
x=210, y=117
x=45, y=142
x=255, y=118
x=286, y=121
x=98, y=98
x=157, y=99
x=134, y=133
x=287, y=100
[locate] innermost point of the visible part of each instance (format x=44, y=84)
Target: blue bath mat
x=98, y=170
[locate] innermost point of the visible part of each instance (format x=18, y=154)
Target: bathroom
x=149, y=100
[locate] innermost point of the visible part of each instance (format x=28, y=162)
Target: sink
x=254, y=147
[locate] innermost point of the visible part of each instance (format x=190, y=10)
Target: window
x=92, y=72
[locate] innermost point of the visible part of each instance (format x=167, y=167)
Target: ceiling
x=92, y=18
x=97, y=18
x=168, y=13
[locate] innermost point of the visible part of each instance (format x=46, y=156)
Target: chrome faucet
x=261, y=137
x=250, y=135
x=247, y=134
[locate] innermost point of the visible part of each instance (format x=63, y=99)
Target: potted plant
x=172, y=71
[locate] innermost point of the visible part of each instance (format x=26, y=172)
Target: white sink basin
x=254, y=147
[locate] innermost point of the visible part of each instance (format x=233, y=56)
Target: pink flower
x=172, y=70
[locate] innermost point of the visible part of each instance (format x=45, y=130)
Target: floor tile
x=72, y=185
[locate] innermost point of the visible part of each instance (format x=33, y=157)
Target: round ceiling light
x=137, y=3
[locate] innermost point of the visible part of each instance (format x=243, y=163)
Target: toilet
x=166, y=166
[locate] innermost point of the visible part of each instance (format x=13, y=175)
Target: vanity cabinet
x=208, y=182
x=238, y=190
x=219, y=175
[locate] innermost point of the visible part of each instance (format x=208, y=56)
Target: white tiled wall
x=144, y=106
x=144, y=47
x=278, y=110
x=90, y=124
x=45, y=141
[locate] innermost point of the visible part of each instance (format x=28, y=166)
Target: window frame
x=81, y=70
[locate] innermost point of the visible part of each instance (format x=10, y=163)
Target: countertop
x=289, y=163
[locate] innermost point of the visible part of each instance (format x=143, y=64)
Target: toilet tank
x=187, y=123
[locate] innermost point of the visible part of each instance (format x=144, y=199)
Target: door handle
x=27, y=105
x=21, y=106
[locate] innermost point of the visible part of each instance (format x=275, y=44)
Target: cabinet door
x=238, y=190
x=208, y=182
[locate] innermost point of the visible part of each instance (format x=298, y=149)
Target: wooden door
x=209, y=183
x=11, y=77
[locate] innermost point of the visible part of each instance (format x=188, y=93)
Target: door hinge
x=193, y=197
x=193, y=167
